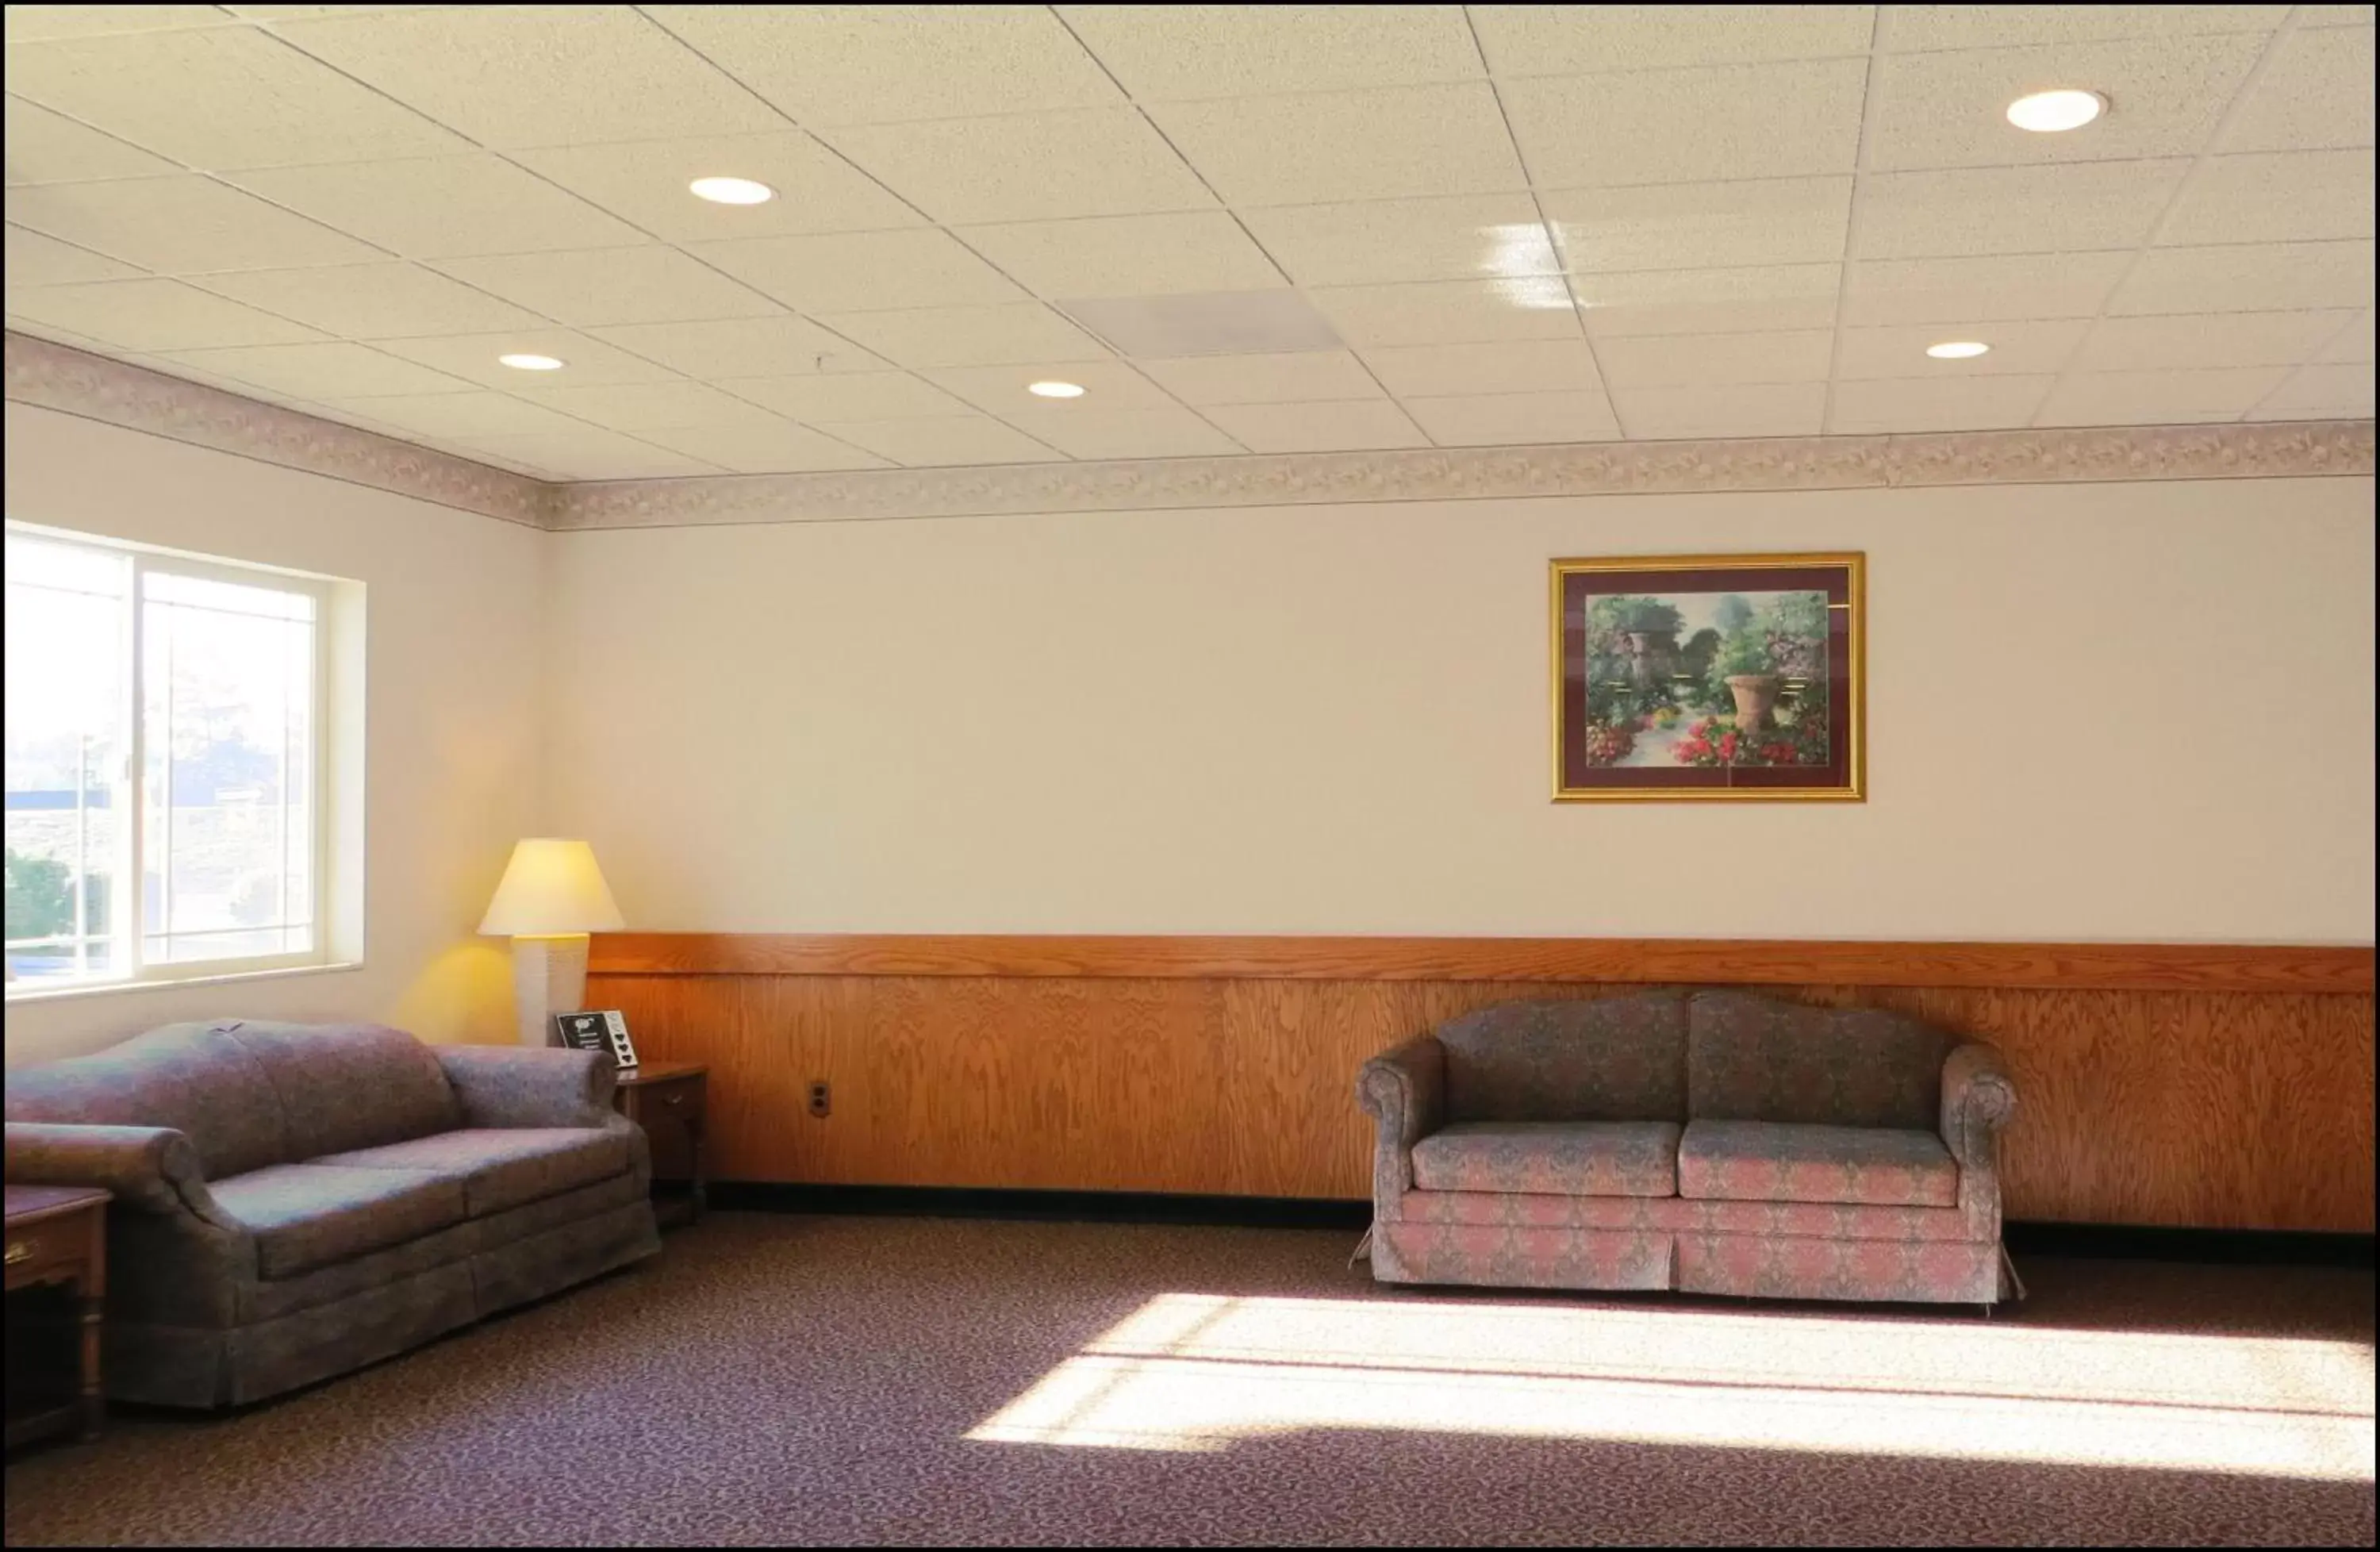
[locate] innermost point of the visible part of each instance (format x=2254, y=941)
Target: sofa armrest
x=153, y=1168
x=1978, y=1101
x=1404, y=1090
x=529, y=1085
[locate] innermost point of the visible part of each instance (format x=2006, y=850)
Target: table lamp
x=552, y=897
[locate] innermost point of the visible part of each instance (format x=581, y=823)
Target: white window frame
x=130, y=932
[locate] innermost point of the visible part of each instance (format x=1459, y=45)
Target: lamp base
x=549, y=977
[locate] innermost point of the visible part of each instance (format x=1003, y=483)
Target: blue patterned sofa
x=1714, y=1142
x=292, y=1201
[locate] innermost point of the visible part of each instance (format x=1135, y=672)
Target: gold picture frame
x=1759, y=702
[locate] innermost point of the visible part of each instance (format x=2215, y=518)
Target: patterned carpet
x=842, y=1380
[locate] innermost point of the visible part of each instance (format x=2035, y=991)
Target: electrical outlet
x=822, y=1098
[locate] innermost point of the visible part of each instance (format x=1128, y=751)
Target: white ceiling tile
x=1318, y=426
x=1448, y=312
x=1702, y=225
x=1508, y=367
x=977, y=336
x=1728, y=121
x=2334, y=15
x=881, y=63
x=780, y=347
x=2353, y=342
x=2200, y=340
x=862, y=272
x=2320, y=393
x=43, y=147
x=1760, y=298
x=586, y=362
x=2151, y=398
x=945, y=441
x=187, y=372
x=1945, y=403
x=264, y=104
x=537, y=74
x=181, y=226
x=778, y=448
x=2249, y=277
x=651, y=406
x=1683, y=360
x=2316, y=92
x=152, y=315
x=1263, y=378
x=1493, y=419
x=1127, y=255
x=1108, y=386
x=34, y=260
x=1375, y=242
x=612, y=285
x=372, y=301
x=1972, y=210
x=593, y=454
x=1951, y=110
x=1761, y=410
x=867, y=395
x=333, y=370
x=1380, y=144
x=645, y=182
x=1913, y=28
x=1041, y=166
x=1081, y=432
x=1979, y=290
x=441, y=207
x=462, y=415
x=1161, y=53
x=26, y=23
x=2290, y=196
x=1578, y=40
x=309, y=13
x=2018, y=348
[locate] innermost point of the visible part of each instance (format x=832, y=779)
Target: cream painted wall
x=453, y=604
x=2106, y=711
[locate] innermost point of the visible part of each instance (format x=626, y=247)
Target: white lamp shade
x=551, y=887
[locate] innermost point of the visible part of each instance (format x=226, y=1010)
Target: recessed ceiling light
x=1055, y=390
x=2048, y=113
x=1957, y=350
x=731, y=191
x=525, y=362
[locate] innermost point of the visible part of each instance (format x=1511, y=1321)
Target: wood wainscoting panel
x=2211, y=1108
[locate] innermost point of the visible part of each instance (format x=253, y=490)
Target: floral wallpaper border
x=59, y=377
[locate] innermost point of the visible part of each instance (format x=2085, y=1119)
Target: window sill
x=20, y=992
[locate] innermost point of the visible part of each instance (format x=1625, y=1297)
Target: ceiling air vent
x=1213, y=323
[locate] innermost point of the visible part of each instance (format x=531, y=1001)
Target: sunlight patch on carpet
x=1197, y=1372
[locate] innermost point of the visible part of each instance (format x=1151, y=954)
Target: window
x=165, y=725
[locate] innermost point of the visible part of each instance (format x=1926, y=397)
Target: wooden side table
x=57, y=1235
x=668, y=1098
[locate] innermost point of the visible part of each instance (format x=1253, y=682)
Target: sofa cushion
x=1766, y=1162
x=350, y=1085
x=304, y=1215
x=1579, y=1059
x=191, y=1077
x=1757, y=1058
x=502, y=1167
x=1554, y=1158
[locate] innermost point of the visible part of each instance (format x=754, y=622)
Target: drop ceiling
x=1522, y=224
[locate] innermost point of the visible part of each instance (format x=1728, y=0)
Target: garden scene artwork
x=1709, y=676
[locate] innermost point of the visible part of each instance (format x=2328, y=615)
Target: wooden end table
x=57, y=1235
x=668, y=1098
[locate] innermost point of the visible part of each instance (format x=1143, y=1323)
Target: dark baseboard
x=2106, y=1240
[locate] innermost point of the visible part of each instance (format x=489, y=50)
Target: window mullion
x=132, y=918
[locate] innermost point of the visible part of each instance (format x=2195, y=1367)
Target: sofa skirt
x=1760, y=1265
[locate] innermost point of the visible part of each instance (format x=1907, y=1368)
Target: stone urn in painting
x=1755, y=697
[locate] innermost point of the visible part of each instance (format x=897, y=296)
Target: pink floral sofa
x=1714, y=1142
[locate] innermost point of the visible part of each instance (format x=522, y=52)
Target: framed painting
x=1710, y=676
